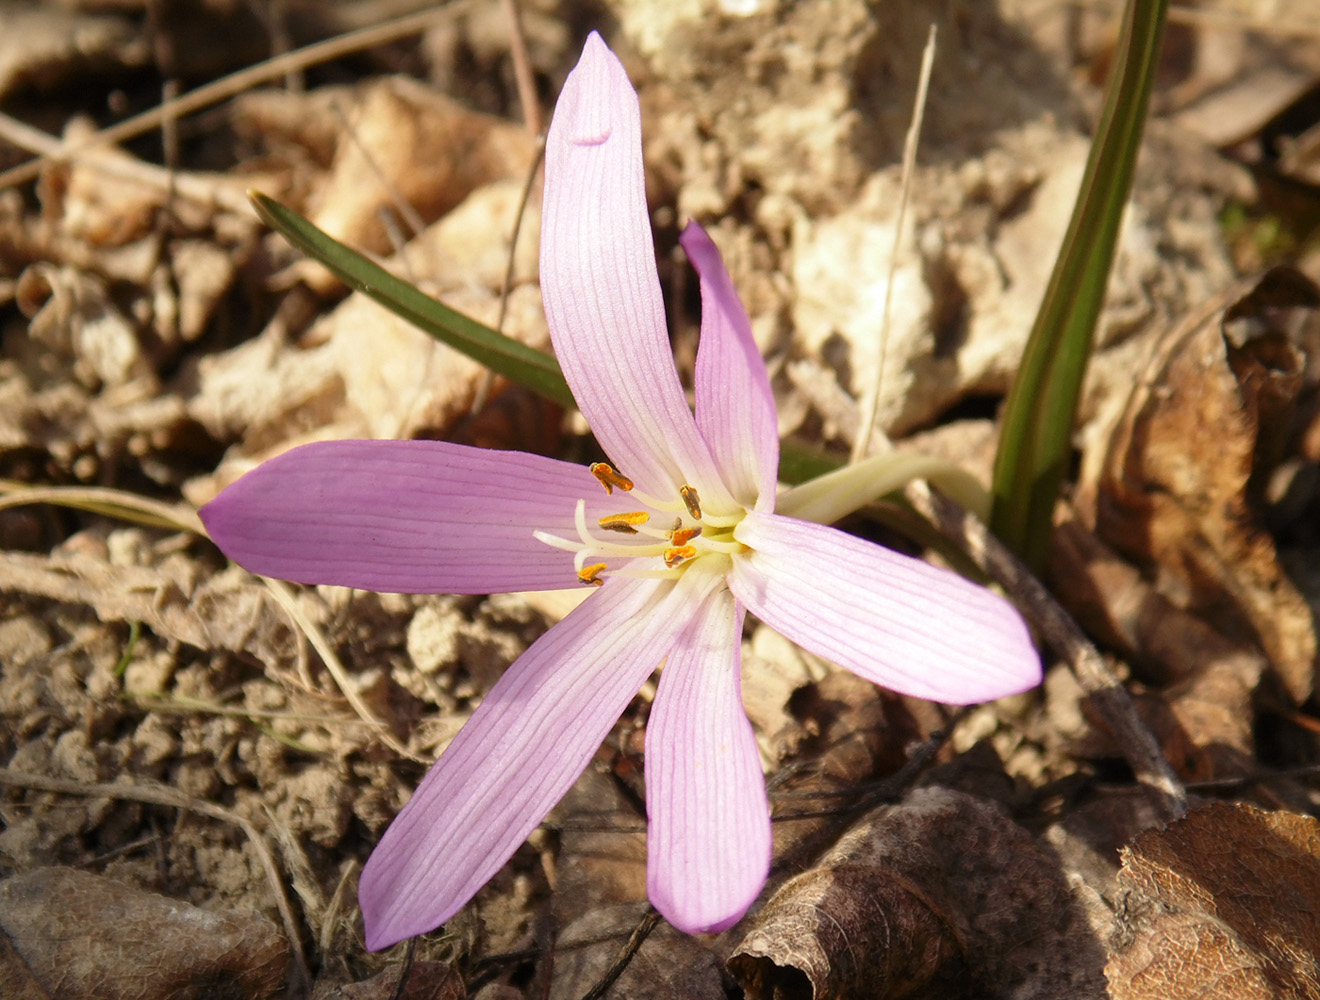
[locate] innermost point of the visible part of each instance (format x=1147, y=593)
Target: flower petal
x=600, y=288
x=896, y=621
x=407, y=516
x=523, y=748
x=735, y=406
x=708, y=836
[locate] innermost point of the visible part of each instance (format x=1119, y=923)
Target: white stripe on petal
x=520, y=752
x=600, y=287
x=896, y=621
x=708, y=838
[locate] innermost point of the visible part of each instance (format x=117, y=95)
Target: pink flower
x=678, y=555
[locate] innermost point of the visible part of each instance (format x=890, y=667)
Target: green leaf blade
x=1035, y=441
x=503, y=355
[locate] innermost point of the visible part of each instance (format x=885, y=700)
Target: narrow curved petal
x=708, y=835
x=405, y=516
x=896, y=621
x=523, y=748
x=735, y=406
x=600, y=288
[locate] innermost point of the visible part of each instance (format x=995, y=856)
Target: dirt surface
x=196, y=763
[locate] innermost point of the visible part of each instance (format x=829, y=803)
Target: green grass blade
x=1034, y=444
x=503, y=355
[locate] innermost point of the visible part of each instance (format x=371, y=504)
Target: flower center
x=662, y=538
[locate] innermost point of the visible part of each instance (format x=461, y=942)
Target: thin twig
x=1061, y=634
x=402, y=205
x=523, y=199
x=244, y=79
x=522, y=69
x=406, y=970
x=621, y=961
x=204, y=189
x=479, y=400
x=283, y=593
x=162, y=795
x=866, y=797
x=871, y=399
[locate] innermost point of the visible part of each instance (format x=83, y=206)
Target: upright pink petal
x=600, y=288
x=522, y=749
x=896, y=621
x=708, y=837
x=409, y=516
x=735, y=406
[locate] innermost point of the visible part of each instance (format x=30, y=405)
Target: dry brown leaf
x=669, y=964
x=74, y=316
x=226, y=611
x=940, y=896
x=602, y=857
x=600, y=895
x=1203, y=426
x=1204, y=724
x=73, y=935
x=426, y=981
x=1236, y=112
x=43, y=44
x=1221, y=905
x=407, y=141
x=1116, y=605
x=844, y=733
x=364, y=372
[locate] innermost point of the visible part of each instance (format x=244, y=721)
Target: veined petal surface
x=896, y=621
x=735, y=405
x=600, y=287
x=708, y=833
x=405, y=516
x=523, y=748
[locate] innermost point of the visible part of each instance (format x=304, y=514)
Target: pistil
x=681, y=544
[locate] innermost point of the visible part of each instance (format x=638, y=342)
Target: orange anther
x=624, y=523
x=692, y=500
x=681, y=536
x=590, y=575
x=609, y=478
x=678, y=553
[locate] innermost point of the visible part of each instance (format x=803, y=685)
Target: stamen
x=678, y=553
x=728, y=547
x=624, y=523
x=590, y=575
x=681, y=536
x=555, y=541
x=691, y=500
x=609, y=478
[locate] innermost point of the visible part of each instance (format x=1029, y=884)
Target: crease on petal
x=708, y=834
x=896, y=621
x=525, y=745
x=404, y=516
x=735, y=405
x=600, y=287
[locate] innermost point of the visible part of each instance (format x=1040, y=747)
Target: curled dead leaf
x=942, y=895
x=1204, y=425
